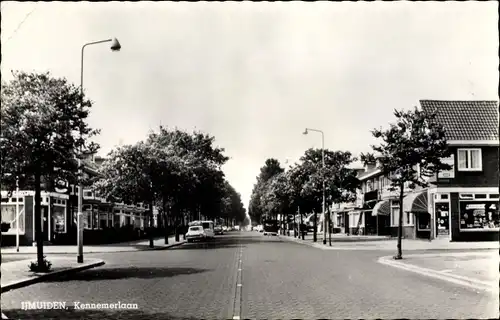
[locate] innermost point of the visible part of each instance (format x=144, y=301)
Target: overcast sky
x=254, y=75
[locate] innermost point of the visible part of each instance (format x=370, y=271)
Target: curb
x=29, y=281
x=145, y=248
x=320, y=245
x=456, y=279
x=168, y=246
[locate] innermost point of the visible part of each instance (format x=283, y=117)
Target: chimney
x=370, y=166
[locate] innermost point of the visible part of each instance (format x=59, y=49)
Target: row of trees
x=410, y=151
x=176, y=171
x=44, y=129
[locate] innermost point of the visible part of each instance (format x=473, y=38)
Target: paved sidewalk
x=139, y=245
x=16, y=274
x=365, y=243
x=477, y=270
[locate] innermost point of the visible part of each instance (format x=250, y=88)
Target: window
x=9, y=216
x=424, y=222
x=395, y=213
x=469, y=160
x=493, y=196
x=479, y=215
x=59, y=218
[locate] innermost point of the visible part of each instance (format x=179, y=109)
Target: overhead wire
x=21, y=23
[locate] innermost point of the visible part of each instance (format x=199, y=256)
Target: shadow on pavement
x=228, y=242
x=71, y=313
x=126, y=273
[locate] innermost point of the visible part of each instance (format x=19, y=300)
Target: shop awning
x=416, y=202
x=382, y=208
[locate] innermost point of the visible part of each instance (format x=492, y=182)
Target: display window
x=476, y=215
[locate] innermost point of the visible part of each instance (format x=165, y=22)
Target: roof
x=465, y=120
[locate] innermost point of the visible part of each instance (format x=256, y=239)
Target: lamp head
x=305, y=132
x=115, y=45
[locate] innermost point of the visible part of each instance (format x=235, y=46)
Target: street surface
x=279, y=280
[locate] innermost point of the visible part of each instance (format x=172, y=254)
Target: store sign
x=448, y=174
x=61, y=186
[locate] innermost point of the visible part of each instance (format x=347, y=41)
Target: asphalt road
x=279, y=280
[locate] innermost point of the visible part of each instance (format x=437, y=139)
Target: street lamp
x=115, y=46
x=306, y=131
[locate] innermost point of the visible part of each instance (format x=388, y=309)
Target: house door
x=442, y=220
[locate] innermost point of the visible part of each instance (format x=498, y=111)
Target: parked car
x=224, y=228
x=218, y=230
x=237, y=228
x=196, y=233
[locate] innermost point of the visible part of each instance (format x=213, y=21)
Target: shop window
x=469, y=160
x=395, y=213
x=466, y=196
x=59, y=218
x=493, y=196
x=444, y=196
x=479, y=215
x=480, y=196
x=5, y=200
x=424, y=221
x=9, y=215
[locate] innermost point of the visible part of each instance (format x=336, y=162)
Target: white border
x=473, y=142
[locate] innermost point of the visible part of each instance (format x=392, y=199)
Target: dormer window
x=469, y=160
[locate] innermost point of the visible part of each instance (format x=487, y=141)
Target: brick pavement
x=479, y=270
x=17, y=273
x=280, y=280
x=283, y=280
x=192, y=281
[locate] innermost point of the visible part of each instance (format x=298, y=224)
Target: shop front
x=416, y=204
x=382, y=212
x=477, y=218
x=466, y=216
x=20, y=208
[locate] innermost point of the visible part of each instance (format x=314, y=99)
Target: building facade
x=464, y=201
x=59, y=208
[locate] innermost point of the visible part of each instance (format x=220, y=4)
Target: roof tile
x=466, y=120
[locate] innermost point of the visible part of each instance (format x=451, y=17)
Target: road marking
x=5, y=317
x=236, y=318
x=240, y=260
x=239, y=284
x=239, y=269
x=447, y=270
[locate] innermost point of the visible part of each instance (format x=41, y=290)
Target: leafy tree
x=256, y=208
x=43, y=125
x=411, y=150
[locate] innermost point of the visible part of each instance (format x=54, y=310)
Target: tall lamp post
x=115, y=46
x=323, y=161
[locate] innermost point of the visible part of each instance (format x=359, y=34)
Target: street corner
x=15, y=275
x=464, y=269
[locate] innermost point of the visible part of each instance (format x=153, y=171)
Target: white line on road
x=239, y=284
x=239, y=269
x=236, y=318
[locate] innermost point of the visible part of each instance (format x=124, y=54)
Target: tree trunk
x=315, y=226
x=400, y=223
x=165, y=219
x=151, y=225
x=177, y=238
x=38, y=220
